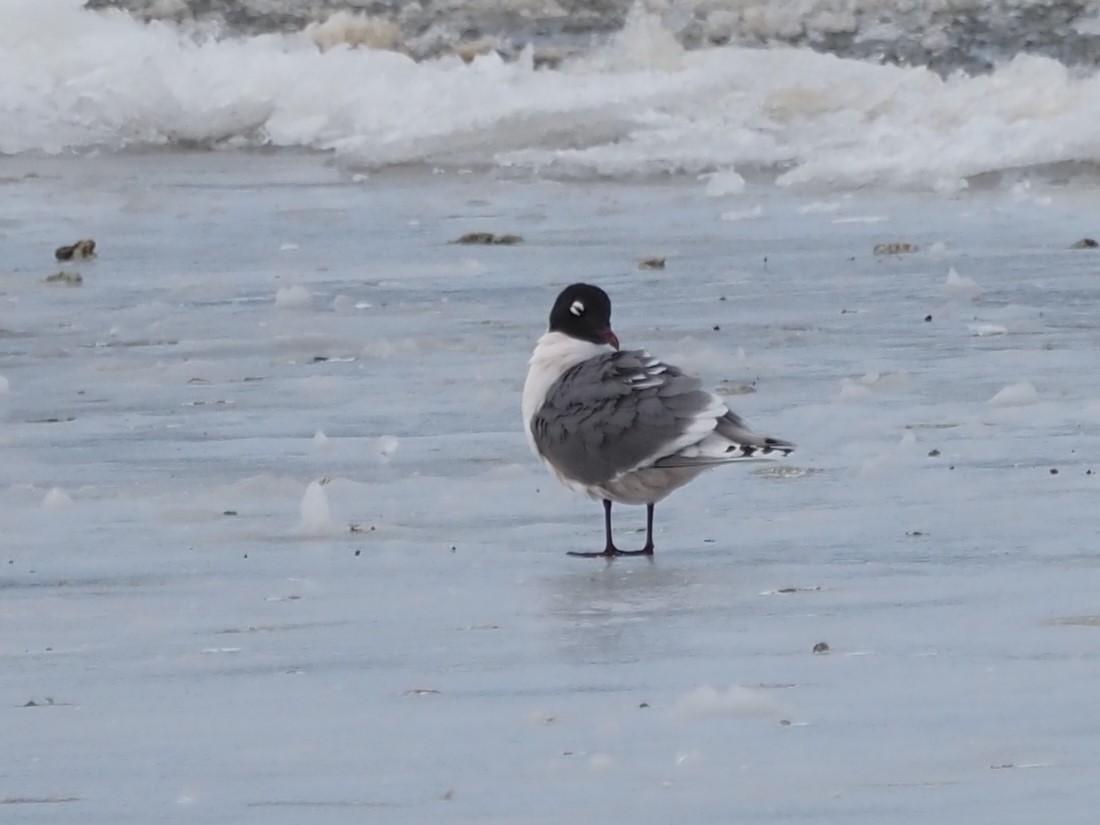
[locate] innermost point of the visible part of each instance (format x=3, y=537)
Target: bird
x=622, y=426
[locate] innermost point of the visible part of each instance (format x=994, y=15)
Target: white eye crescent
x=577, y=308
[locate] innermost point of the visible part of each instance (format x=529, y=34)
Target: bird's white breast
x=554, y=354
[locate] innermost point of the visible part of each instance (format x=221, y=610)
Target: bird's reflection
x=617, y=612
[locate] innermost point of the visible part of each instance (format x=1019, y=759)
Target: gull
x=620, y=425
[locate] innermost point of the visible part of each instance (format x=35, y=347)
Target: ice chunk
x=316, y=516
x=744, y=214
x=982, y=330
x=861, y=219
x=1019, y=394
x=725, y=183
x=852, y=391
x=56, y=499
x=387, y=446
x=957, y=284
x=819, y=208
x=734, y=701
x=292, y=297
x=347, y=28
x=3, y=385
x=689, y=758
x=320, y=440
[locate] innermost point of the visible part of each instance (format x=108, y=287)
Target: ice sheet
x=201, y=639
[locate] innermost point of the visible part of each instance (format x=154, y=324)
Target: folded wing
x=618, y=412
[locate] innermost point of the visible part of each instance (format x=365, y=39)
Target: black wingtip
x=778, y=445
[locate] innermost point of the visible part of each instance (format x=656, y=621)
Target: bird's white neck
x=554, y=354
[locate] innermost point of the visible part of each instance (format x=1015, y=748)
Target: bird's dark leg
x=609, y=543
x=648, y=549
x=610, y=551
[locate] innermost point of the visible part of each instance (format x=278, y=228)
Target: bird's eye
x=577, y=308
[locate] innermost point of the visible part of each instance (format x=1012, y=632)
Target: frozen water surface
x=193, y=632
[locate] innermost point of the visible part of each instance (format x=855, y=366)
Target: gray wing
x=610, y=413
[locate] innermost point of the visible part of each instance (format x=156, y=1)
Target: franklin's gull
x=621, y=425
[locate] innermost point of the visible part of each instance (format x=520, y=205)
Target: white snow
x=689, y=759
x=293, y=297
x=728, y=182
x=861, y=219
x=852, y=390
x=751, y=213
x=960, y=285
x=1020, y=394
x=638, y=105
x=1087, y=25
x=819, y=208
x=983, y=329
x=56, y=499
x=314, y=507
x=387, y=446
x=733, y=701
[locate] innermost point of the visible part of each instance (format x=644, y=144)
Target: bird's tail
x=731, y=440
x=751, y=445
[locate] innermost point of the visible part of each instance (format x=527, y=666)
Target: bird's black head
x=583, y=311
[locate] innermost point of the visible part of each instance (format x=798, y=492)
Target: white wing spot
x=577, y=308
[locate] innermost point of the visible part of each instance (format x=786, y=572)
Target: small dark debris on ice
x=81, y=249
x=49, y=702
x=896, y=248
x=66, y=278
x=488, y=239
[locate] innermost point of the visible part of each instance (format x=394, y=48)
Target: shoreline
x=944, y=37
